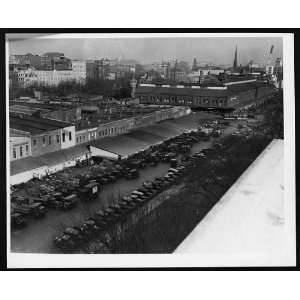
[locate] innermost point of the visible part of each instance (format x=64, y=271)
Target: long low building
x=229, y=96
x=112, y=147
x=251, y=224
x=46, y=135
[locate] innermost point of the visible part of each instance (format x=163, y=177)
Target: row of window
x=50, y=139
x=101, y=133
x=21, y=153
x=183, y=100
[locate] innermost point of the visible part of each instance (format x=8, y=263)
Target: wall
x=21, y=145
x=42, y=171
x=85, y=135
x=40, y=143
x=116, y=127
x=68, y=142
x=193, y=101
x=125, y=125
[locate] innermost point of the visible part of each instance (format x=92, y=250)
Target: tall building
x=166, y=69
x=175, y=70
x=278, y=68
x=235, y=59
x=133, y=83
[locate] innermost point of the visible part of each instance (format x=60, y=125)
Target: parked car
x=69, y=201
x=75, y=234
x=89, y=191
x=65, y=242
x=167, y=157
x=36, y=210
x=173, y=162
x=132, y=174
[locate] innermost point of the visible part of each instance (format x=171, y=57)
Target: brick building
x=46, y=135
x=228, y=96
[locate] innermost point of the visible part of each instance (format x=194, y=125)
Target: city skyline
x=218, y=50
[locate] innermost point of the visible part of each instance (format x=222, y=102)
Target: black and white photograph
x=150, y=150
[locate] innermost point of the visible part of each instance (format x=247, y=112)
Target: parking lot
x=38, y=235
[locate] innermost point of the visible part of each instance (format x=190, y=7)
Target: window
x=44, y=141
x=83, y=138
x=80, y=138
x=70, y=136
x=34, y=142
x=77, y=140
x=14, y=153
x=21, y=151
x=27, y=150
x=64, y=137
x=49, y=139
x=57, y=138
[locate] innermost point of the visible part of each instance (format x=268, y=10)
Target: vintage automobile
x=169, y=178
x=44, y=199
x=89, y=191
x=99, y=218
x=168, y=156
x=75, y=234
x=173, y=162
x=65, y=243
x=110, y=215
x=102, y=179
x=118, y=210
x=55, y=200
x=90, y=228
x=146, y=191
x=176, y=171
x=216, y=133
x=126, y=206
x=132, y=174
x=36, y=210
x=69, y=201
x=138, y=199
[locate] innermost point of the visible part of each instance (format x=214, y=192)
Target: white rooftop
x=249, y=226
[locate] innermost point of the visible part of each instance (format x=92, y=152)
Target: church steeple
x=194, y=67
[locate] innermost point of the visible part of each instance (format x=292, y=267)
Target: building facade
x=19, y=144
x=123, y=126
x=46, y=135
x=225, y=97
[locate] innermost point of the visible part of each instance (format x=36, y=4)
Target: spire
x=235, y=59
x=194, y=65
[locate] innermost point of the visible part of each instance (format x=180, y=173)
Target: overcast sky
x=146, y=50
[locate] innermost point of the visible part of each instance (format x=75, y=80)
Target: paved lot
x=37, y=237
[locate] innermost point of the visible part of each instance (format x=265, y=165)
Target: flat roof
x=248, y=226
x=231, y=89
x=180, y=91
x=35, y=125
x=24, y=109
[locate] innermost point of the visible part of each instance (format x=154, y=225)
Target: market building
x=46, y=135
x=230, y=95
